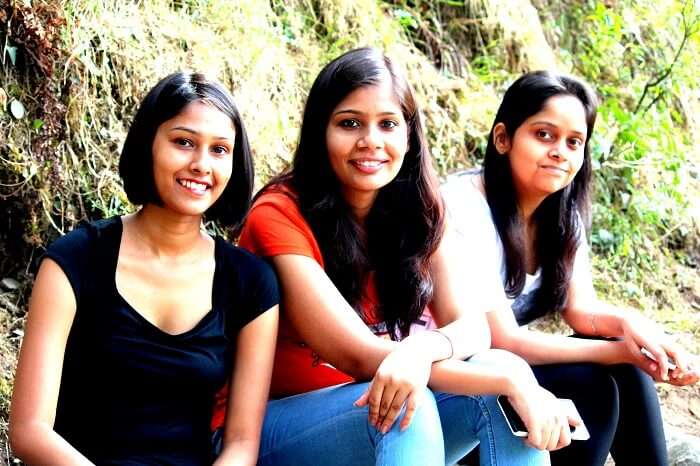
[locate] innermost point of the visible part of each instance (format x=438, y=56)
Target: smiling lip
x=194, y=186
x=552, y=168
x=368, y=166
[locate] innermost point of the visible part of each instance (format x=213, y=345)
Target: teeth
x=368, y=163
x=193, y=185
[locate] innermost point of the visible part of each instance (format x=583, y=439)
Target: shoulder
x=74, y=252
x=248, y=279
x=465, y=200
x=243, y=261
x=275, y=226
x=79, y=241
x=464, y=187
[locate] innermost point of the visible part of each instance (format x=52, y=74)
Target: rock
x=9, y=284
x=683, y=449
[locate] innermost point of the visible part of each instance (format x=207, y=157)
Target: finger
x=390, y=391
x=374, y=399
x=550, y=435
x=688, y=378
x=534, y=436
x=661, y=360
x=677, y=355
x=564, y=435
x=363, y=399
x=394, y=410
x=412, y=403
x=573, y=420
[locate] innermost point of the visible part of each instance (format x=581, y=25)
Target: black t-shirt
x=130, y=393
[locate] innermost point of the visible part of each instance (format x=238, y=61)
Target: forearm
x=468, y=336
x=37, y=443
x=597, y=318
x=492, y=372
x=544, y=348
x=239, y=452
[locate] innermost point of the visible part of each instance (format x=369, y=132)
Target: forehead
x=375, y=98
x=203, y=117
x=565, y=111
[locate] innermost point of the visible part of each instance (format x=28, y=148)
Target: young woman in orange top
x=355, y=232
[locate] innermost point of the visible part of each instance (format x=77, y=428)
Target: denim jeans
x=324, y=428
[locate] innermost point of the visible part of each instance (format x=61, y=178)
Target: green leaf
x=37, y=124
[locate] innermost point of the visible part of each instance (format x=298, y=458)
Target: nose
x=372, y=138
x=558, y=151
x=200, y=161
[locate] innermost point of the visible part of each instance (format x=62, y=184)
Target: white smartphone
x=517, y=426
x=647, y=353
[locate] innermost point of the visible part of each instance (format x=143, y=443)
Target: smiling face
x=366, y=138
x=192, y=158
x=547, y=149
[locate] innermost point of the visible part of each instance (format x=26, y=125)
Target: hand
x=687, y=376
x=400, y=380
x=638, y=333
x=545, y=419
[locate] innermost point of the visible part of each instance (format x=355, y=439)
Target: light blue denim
x=324, y=428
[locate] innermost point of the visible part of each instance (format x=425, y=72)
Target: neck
x=164, y=233
x=527, y=206
x=360, y=204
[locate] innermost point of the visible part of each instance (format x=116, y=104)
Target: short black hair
x=165, y=101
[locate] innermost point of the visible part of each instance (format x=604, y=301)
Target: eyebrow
x=551, y=125
x=357, y=112
x=191, y=131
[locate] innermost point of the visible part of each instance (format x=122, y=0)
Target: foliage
x=72, y=73
x=640, y=55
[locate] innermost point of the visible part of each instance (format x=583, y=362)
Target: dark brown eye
x=184, y=142
x=349, y=123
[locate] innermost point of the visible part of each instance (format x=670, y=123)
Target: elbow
x=19, y=437
x=505, y=340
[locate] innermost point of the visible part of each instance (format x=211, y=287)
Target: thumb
x=362, y=400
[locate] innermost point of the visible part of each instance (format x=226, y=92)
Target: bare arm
x=589, y=316
x=250, y=388
x=458, y=307
x=37, y=381
x=545, y=348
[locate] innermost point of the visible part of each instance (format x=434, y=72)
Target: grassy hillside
x=72, y=73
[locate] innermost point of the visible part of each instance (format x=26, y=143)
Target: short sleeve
x=261, y=288
x=275, y=226
x=254, y=289
x=582, y=262
x=478, y=245
x=72, y=252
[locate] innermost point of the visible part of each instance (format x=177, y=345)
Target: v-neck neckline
x=118, y=234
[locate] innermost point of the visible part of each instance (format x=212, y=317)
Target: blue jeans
x=323, y=427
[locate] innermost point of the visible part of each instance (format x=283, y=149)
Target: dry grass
x=111, y=52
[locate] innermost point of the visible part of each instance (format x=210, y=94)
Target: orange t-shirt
x=275, y=226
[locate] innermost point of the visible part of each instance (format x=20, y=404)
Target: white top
x=469, y=216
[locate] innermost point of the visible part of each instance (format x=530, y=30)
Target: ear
x=501, y=139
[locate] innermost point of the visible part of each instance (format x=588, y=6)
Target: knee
x=426, y=416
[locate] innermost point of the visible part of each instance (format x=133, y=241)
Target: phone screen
x=516, y=424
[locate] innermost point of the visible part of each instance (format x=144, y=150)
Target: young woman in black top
x=524, y=219
x=135, y=322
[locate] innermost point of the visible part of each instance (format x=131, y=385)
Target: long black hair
x=405, y=224
x=557, y=219
x=165, y=101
